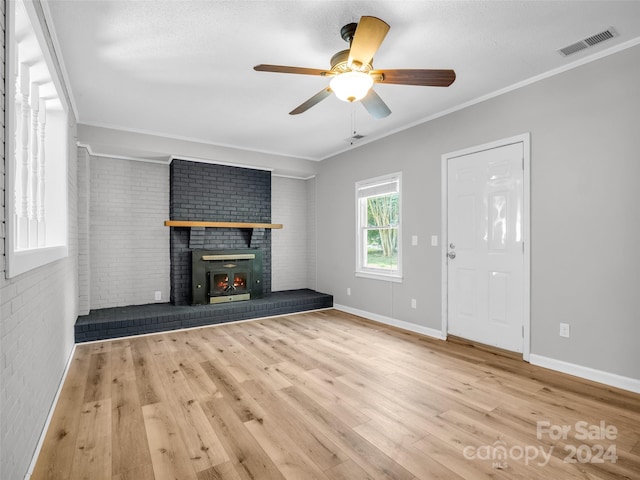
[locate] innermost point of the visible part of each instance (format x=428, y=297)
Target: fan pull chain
x=352, y=132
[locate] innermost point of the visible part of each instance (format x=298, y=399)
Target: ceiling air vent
x=355, y=138
x=588, y=42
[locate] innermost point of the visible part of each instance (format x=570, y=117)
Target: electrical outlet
x=158, y=295
x=434, y=240
x=413, y=303
x=565, y=330
x=348, y=291
x=414, y=240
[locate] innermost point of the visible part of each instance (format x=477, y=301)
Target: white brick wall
x=289, y=246
x=37, y=313
x=84, y=254
x=311, y=234
x=129, y=244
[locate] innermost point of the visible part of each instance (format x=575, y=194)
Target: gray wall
x=120, y=143
x=585, y=221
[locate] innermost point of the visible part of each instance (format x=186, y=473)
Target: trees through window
x=378, y=246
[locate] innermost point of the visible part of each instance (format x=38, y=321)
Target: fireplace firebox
x=219, y=276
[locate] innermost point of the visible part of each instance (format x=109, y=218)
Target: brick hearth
x=158, y=317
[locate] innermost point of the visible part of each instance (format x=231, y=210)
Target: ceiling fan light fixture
x=352, y=70
x=351, y=86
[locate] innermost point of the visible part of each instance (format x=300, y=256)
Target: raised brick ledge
x=118, y=322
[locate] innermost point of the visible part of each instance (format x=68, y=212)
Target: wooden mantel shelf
x=189, y=223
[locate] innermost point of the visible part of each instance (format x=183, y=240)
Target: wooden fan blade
x=368, y=37
x=375, y=105
x=317, y=98
x=286, y=69
x=427, y=78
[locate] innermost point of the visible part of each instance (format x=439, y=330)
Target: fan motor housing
x=339, y=63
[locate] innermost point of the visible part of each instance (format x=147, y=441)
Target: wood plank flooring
x=327, y=395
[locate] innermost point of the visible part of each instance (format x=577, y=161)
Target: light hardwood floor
x=327, y=395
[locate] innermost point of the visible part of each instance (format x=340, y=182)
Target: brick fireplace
x=216, y=193
x=220, y=276
x=229, y=196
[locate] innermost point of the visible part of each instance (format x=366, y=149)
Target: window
x=378, y=238
x=36, y=146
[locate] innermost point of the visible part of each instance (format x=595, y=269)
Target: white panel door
x=485, y=252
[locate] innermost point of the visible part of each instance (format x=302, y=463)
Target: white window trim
x=21, y=261
x=372, y=273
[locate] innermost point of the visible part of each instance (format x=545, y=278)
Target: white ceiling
x=184, y=69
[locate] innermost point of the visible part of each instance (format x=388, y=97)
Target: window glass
x=36, y=146
x=378, y=235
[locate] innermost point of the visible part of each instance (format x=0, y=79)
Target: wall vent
x=588, y=42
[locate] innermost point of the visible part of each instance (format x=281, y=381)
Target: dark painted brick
x=216, y=193
x=116, y=322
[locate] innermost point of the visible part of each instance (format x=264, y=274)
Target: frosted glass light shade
x=351, y=86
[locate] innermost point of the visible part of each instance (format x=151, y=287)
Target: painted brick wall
x=290, y=245
x=129, y=244
x=311, y=234
x=84, y=249
x=37, y=313
x=207, y=192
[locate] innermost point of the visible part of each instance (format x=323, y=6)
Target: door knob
x=451, y=255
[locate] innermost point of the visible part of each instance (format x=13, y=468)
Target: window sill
x=22, y=261
x=380, y=276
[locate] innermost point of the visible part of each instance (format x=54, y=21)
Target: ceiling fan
x=353, y=74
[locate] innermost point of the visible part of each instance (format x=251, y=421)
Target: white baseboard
x=412, y=327
x=45, y=428
x=612, y=379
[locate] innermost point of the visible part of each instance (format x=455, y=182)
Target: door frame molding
x=525, y=139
